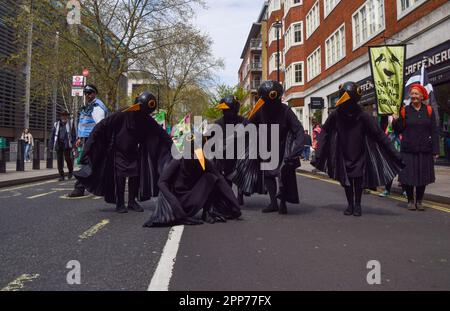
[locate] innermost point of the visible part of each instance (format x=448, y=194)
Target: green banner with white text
x=387, y=63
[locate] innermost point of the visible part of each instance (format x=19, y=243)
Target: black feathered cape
x=382, y=162
x=98, y=171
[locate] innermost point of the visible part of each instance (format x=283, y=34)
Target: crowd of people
x=351, y=147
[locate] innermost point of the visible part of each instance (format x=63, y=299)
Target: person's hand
x=436, y=156
x=78, y=143
x=395, y=116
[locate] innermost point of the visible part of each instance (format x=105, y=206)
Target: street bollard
x=49, y=158
x=2, y=160
x=37, y=156
x=20, y=164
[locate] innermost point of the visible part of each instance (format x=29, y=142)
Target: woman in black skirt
x=420, y=142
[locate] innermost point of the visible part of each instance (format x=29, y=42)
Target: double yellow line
x=437, y=206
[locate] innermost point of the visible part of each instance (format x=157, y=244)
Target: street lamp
x=278, y=26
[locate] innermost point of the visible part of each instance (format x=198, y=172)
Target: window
x=273, y=33
x=312, y=19
x=329, y=5
x=314, y=64
x=367, y=22
x=294, y=35
x=294, y=75
x=288, y=4
x=273, y=65
x=274, y=5
x=404, y=7
x=335, y=47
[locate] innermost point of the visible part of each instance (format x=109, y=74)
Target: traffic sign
x=76, y=91
x=77, y=81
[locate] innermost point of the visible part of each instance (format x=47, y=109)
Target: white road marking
x=163, y=273
x=12, y=194
x=93, y=230
x=40, y=195
x=19, y=282
x=76, y=198
x=29, y=185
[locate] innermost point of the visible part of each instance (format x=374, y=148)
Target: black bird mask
x=145, y=103
x=230, y=107
x=270, y=93
x=349, y=96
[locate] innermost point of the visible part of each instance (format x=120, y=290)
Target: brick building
x=325, y=43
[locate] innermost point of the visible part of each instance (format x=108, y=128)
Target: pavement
x=314, y=247
x=13, y=177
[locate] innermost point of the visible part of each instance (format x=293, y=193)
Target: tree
x=222, y=91
x=183, y=64
x=112, y=36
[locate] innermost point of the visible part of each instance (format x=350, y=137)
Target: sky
x=228, y=23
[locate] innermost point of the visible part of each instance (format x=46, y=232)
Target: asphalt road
x=314, y=247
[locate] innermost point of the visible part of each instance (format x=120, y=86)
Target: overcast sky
x=228, y=23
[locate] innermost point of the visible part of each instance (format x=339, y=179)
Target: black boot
x=349, y=210
x=134, y=206
x=121, y=209
x=61, y=178
x=357, y=210
x=283, y=208
x=271, y=208
x=240, y=197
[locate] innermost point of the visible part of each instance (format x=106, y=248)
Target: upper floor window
x=294, y=75
x=405, y=7
x=273, y=33
x=314, y=64
x=274, y=5
x=335, y=47
x=367, y=22
x=294, y=35
x=288, y=4
x=273, y=62
x=312, y=19
x=329, y=5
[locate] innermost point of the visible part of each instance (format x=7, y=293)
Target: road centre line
x=40, y=195
x=93, y=230
x=19, y=283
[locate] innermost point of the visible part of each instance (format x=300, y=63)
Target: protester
x=420, y=142
x=128, y=144
x=62, y=141
x=353, y=149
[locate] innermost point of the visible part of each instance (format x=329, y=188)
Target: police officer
x=92, y=113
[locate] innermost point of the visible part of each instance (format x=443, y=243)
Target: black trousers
x=61, y=155
x=133, y=188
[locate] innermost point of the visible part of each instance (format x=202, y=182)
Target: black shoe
x=349, y=211
x=270, y=209
x=241, y=198
x=69, y=176
x=61, y=178
x=121, y=209
x=76, y=194
x=357, y=210
x=283, y=208
x=134, y=206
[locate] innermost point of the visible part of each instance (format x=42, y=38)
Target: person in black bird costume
x=192, y=184
x=354, y=150
x=270, y=110
x=129, y=143
x=230, y=107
